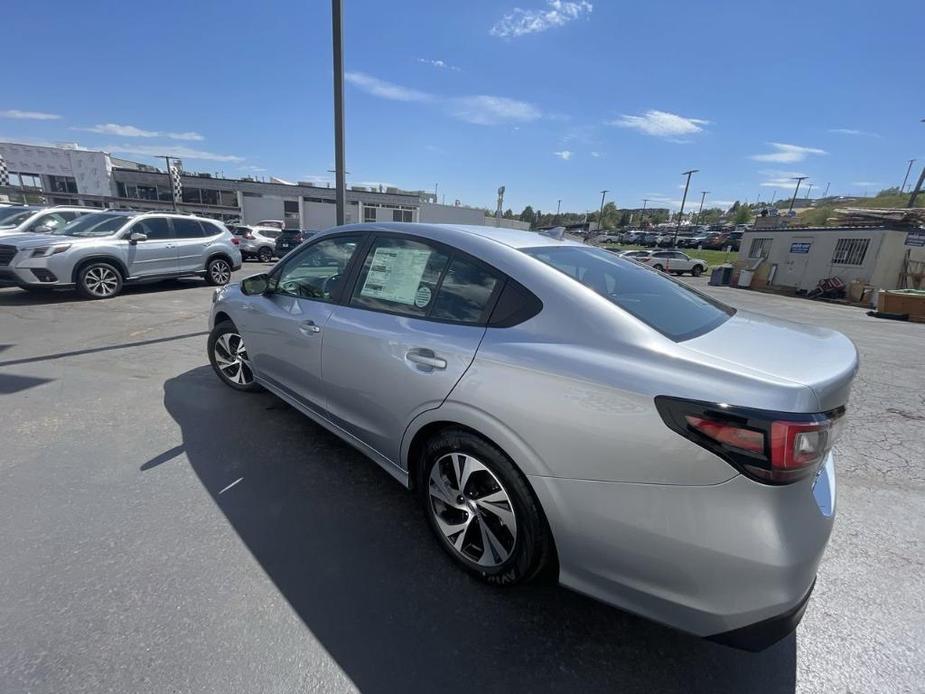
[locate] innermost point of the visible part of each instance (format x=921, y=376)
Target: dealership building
x=69, y=175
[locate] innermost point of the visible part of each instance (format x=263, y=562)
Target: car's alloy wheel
x=696, y=271
x=265, y=255
x=472, y=509
x=231, y=359
x=99, y=281
x=659, y=268
x=219, y=272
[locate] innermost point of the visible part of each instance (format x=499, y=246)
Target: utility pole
x=809, y=193
x=677, y=229
x=436, y=185
x=600, y=215
x=826, y=193
x=773, y=195
x=703, y=194
x=642, y=217
x=917, y=189
x=500, y=205
x=906, y=178
x=337, y=29
x=558, y=207
x=799, y=180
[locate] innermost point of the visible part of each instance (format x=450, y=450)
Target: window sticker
x=422, y=297
x=395, y=275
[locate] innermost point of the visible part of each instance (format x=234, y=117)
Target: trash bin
x=721, y=275
x=745, y=278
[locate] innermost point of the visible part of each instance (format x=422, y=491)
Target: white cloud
x=564, y=155
x=787, y=154
x=180, y=151
x=865, y=184
x=132, y=131
x=251, y=167
x=774, y=178
x=439, y=64
x=492, y=110
x=661, y=123
x=386, y=90
x=596, y=155
x=852, y=131
x=28, y=115
x=519, y=22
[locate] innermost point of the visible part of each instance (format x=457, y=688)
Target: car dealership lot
x=162, y=532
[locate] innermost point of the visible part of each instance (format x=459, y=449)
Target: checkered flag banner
x=4, y=173
x=175, y=183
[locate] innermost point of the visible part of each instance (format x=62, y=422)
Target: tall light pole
x=799, y=180
x=703, y=194
x=642, y=217
x=337, y=30
x=600, y=215
x=906, y=178
x=826, y=193
x=677, y=229
x=558, y=207
x=809, y=193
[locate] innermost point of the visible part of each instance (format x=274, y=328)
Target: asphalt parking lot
x=161, y=532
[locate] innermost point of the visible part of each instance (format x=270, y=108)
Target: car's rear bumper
x=716, y=561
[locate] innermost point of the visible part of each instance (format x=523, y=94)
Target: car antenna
x=557, y=233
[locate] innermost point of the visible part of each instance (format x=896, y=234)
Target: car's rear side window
x=670, y=307
x=465, y=293
x=187, y=228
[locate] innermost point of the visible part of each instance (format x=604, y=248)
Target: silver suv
x=257, y=242
x=38, y=220
x=99, y=253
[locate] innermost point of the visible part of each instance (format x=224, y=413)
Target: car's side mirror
x=137, y=236
x=255, y=284
x=43, y=228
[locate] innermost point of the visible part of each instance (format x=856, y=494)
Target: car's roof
x=515, y=238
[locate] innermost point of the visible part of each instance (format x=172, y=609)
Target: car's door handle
x=308, y=327
x=425, y=357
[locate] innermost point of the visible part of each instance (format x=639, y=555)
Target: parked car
x=674, y=262
x=635, y=255
x=558, y=408
x=38, y=220
x=649, y=240
x=98, y=253
x=256, y=242
x=608, y=238
x=692, y=241
x=633, y=237
x=271, y=223
x=289, y=239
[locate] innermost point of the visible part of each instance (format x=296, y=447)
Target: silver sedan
x=561, y=411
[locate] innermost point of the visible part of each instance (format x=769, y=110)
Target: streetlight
x=703, y=194
x=677, y=229
x=600, y=215
x=558, y=207
x=809, y=193
x=642, y=216
x=826, y=193
x=799, y=180
x=337, y=30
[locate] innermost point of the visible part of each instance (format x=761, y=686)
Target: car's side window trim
x=452, y=254
x=135, y=222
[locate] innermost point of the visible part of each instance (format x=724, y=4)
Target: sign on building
x=4, y=173
x=800, y=246
x=916, y=238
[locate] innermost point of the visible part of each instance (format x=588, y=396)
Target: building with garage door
x=799, y=258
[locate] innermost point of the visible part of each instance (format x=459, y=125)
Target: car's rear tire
x=218, y=272
x=659, y=267
x=491, y=524
x=265, y=255
x=229, y=358
x=696, y=271
x=99, y=280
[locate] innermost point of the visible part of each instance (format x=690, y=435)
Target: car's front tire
x=229, y=358
x=696, y=271
x=265, y=255
x=218, y=272
x=482, y=510
x=99, y=280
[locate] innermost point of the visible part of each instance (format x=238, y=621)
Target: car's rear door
x=406, y=334
x=190, y=243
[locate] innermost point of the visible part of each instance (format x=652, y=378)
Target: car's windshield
x=670, y=307
x=12, y=216
x=100, y=224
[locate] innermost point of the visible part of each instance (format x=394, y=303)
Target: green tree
x=742, y=215
x=527, y=215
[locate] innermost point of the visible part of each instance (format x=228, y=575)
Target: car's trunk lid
x=818, y=358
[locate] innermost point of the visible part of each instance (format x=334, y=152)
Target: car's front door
x=679, y=262
x=157, y=254
x=414, y=320
x=284, y=329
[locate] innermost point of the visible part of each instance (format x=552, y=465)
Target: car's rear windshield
x=100, y=224
x=667, y=305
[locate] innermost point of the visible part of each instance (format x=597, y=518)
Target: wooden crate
x=912, y=304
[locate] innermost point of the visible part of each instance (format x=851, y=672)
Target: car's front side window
x=318, y=270
x=155, y=228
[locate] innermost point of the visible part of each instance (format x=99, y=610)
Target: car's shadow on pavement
x=349, y=549
x=13, y=296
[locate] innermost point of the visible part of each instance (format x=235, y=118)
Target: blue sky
x=554, y=99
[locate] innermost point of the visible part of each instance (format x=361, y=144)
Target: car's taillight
x=771, y=447
x=249, y=236
x=235, y=240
